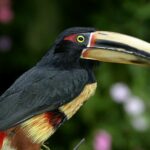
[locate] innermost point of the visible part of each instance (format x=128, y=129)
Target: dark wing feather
x=37, y=91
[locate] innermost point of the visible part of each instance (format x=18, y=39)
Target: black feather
x=39, y=90
x=54, y=81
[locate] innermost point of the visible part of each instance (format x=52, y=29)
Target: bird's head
x=80, y=44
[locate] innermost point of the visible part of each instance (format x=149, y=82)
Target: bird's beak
x=117, y=48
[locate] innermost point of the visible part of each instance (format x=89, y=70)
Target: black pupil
x=80, y=38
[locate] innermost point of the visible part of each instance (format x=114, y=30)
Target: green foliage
x=33, y=30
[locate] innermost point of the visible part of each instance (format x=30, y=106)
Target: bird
x=53, y=90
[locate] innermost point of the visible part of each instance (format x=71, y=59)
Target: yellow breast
x=39, y=128
x=71, y=108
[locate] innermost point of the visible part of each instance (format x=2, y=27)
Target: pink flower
x=102, y=141
x=120, y=92
x=134, y=106
x=6, y=15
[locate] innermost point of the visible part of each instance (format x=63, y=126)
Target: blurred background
x=118, y=116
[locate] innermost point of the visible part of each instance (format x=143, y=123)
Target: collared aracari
x=53, y=90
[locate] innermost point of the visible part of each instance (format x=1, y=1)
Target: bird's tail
x=2, y=138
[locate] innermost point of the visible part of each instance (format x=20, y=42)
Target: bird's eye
x=80, y=38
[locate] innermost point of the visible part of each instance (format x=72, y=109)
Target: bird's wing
x=37, y=91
